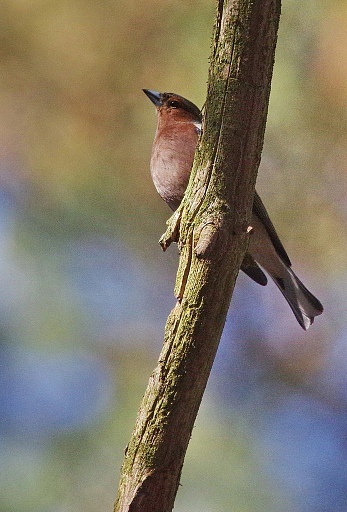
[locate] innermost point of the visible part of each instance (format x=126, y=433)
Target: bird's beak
x=154, y=96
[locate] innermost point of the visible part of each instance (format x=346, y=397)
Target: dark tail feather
x=304, y=305
x=252, y=269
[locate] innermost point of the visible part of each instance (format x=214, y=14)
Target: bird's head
x=174, y=108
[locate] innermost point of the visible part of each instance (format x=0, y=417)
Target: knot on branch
x=210, y=233
x=173, y=230
x=213, y=237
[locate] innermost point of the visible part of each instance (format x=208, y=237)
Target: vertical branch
x=212, y=221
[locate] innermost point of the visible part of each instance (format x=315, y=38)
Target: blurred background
x=85, y=288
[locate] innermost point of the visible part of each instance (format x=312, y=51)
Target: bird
x=179, y=126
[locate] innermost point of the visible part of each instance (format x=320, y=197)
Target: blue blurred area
x=117, y=291
x=298, y=423
x=44, y=395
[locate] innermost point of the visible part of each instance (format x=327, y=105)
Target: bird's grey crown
x=183, y=103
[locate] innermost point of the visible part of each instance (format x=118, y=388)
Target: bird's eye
x=174, y=104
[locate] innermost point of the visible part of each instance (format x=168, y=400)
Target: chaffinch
x=178, y=129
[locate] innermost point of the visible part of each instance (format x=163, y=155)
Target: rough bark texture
x=212, y=223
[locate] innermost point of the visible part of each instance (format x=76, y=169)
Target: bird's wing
x=260, y=211
x=198, y=127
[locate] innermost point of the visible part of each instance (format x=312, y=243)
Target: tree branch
x=213, y=226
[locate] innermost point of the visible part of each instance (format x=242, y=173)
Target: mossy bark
x=212, y=229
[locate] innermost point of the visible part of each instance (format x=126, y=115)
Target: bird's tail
x=304, y=305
